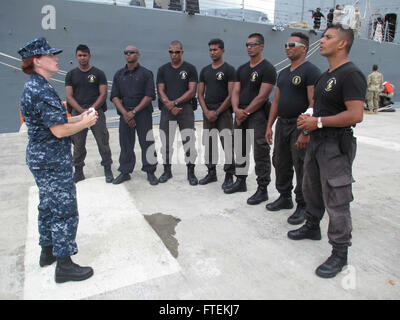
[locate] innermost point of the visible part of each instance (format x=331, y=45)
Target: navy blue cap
x=37, y=46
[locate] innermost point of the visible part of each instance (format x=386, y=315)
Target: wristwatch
x=216, y=112
x=306, y=133
x=176, y=103
x=134, y=111
x=319, y=123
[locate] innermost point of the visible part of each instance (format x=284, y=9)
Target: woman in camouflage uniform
x=49, y=158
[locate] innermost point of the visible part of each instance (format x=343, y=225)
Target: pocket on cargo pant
x=340, y=192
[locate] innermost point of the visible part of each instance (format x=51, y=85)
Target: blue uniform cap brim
x=35, y=47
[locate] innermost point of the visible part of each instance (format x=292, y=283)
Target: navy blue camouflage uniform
x=50, y=160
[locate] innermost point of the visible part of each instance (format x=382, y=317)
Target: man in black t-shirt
x=317, y=15
x=85, y=87
x=254, y=83
x=214, y=93
x=132, y=93
x=176, y=86
x=329, y=18
x=294, y=92
x=339, y=97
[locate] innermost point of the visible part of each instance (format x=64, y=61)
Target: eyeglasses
x=130, y=51
x=293, y=44
x=176, y=51
x=252, y=44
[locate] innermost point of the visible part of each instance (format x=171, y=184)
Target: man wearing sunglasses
x=132, y=92
x=254, y=83
x=85, y=87
x=214, y=92
x=294, y=93
x=339, y=97
x=176, y=87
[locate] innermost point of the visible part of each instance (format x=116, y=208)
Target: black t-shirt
x=332, y=89
x=176, y=81
x=85, y=85
x=293, y=99
x=216, y=82
x=317, y=17
x=251, y=79
x=329, y=17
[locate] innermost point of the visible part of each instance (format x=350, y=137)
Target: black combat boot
x=333, y=265
x=122, y=178
x=67, y=270
x=308, y=231
x=239, y=186
x=260, y=196
x=152, y=178
x=210, y=177
x=167, y=174
x=108, y=174
x=191, y=176
x=298, y=216
x=281, y=203
x=228, y=180
x=78, y=175
x=46, y=256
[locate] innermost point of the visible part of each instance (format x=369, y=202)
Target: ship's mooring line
x=19, y=69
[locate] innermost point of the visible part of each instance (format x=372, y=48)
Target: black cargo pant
x=285, y=157
x=252, y=132
x=222, y=128
x=327, y=182
x=143, y=128
x=185, y=120
x=100, y=133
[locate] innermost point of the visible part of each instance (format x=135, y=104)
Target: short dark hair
x=176, y=43
x=375, y=67
x=218, y=42
x=259, y=36
x=83, y=48
x=346, y=33
x=304, y=39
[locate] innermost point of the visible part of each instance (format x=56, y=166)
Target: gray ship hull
x=107, y=29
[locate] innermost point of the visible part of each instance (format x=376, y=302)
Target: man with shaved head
x=132, y=92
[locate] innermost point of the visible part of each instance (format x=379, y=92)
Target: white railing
x=280, y=13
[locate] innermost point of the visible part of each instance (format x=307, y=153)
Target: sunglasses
x=130, y=51
x=293, y=44
x=252, y=44
x=176, y=51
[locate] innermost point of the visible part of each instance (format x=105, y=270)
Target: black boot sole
x=203, y=182
x=47, y=261
x=109, y=179
x=314, y=237
x=164, y=179
x=121, y=180
x=230, y=191
x=254, y=202
x=62, y=279
x=269, y=208
x=328, y=275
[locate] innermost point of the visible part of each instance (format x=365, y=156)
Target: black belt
x=331, y=132
x=287, y=120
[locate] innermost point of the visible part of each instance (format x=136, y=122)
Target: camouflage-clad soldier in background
x=49, y=158
x=375, y=87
